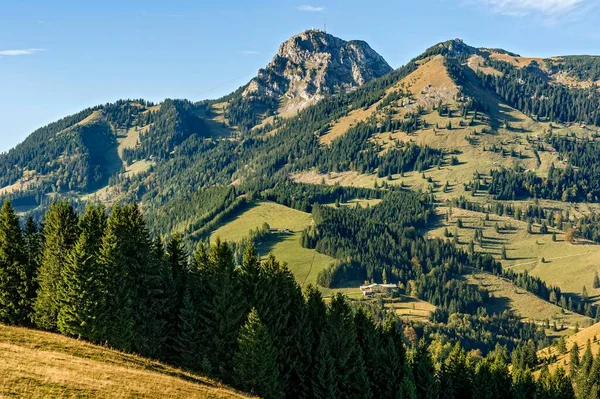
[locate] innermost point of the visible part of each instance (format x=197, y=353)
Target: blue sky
x=58, y=57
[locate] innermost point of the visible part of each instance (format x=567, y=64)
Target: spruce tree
x=186, y=346
x=15, y=277
x=165, y=311
x=61, y=231
x=287, y=322
x=250, y=275
x=396, y=364
x=221, y=307
x=456, y=375
x=351, y=379
x=585, y=368
x=256, y=369
x=83, y=308
x=120, y=287
x=179, y=267
x=323, y=381
x=372, y=343
x=523, y=384
x=424, y=373
x=33, y=251
x=574, y=360
x=562, y=385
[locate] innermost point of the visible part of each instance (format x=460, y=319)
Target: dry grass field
x=35, y=364
x=410, y=308
x=568, y=266
x=531, y=308
x=581, y=338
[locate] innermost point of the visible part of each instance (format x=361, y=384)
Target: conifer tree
x=33, y=251
x=524, y=385
x=179, y=267
x=146, y=276
x=256, y=369
x=287, y=322
x=175, y=280
x=562, y=385
x=371, y=341
x=15, y=277
x=323, y=382
x=61, y=231
x=456, y=375
x=83, y=308
x=574, y=359
x=120, y=288
x=186, y=346
x=165, y=311
x=250, y=274
x=424, y=373
x=396, y=364
x=351, y=379
x=221, y=308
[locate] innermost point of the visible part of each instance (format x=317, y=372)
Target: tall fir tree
x=523, y=384
x=34, y=245
x=456, y=375
x=287, y=322
x=351, y=379
x=424, y=373
x=120, y=289
x=162, y=337
x=574, y=359
x=186, y=347
x=177, y=271
x=178, y=263
x=15, y=277
x=147, y=272
x=221, y=308
x=61, y=231
x=323, y=381
x=83, y=309
x=256, y=366
x=250, y=274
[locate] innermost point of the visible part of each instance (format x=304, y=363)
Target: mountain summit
x=308, y=67
x=313, y=64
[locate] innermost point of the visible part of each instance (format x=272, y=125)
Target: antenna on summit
x=325, y=25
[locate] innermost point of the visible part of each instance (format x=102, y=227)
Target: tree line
x=102, y=278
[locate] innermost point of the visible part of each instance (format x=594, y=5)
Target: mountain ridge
x=306, y=68
x=148, y=135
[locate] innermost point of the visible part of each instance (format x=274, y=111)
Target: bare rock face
x=314, y=64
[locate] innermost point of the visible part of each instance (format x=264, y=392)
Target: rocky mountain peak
x=314, y=64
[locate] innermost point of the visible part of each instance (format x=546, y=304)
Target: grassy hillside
x=277, y=216
x=504, y=294
x=304, y=263
x=36, y=364
x=568, y=266
x=591, y=333
x=565, y=265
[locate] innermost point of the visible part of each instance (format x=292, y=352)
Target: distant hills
x=322, y=104
x=468, y=176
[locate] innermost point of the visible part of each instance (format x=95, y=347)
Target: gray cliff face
x=314, y=64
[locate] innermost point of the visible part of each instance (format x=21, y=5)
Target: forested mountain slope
x=511, y=141
x=443, y=109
